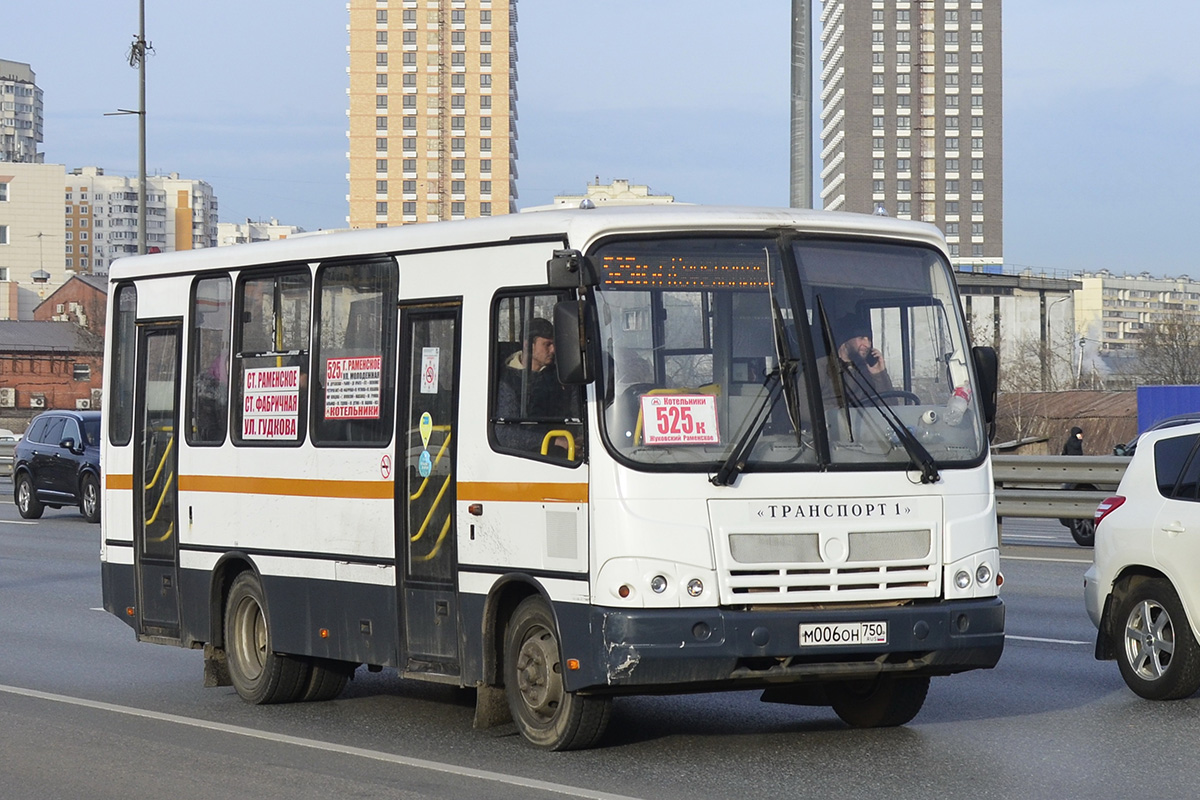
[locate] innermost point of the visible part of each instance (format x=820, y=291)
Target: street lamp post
x=137, y=58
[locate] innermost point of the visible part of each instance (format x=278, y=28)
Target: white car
x=1143, y=588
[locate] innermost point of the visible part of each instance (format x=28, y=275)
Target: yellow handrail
x=433, y=508
x=162, y=461
x=437, y=546
x=441, y=452
x=551, y=435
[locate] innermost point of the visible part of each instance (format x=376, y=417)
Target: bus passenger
x=530, y=400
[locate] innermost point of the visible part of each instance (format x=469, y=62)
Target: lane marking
x=329, y=747
x=1046, y=641
x=17, y=522
x=1039, y=558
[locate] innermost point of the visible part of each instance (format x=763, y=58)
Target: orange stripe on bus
x=367, y=490
x=523, y=492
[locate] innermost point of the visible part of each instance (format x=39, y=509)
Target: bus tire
x=546, y=713
x=259, y=674
x=26, y=498
x=89, y=498
x=326, y=680
x=881, y=702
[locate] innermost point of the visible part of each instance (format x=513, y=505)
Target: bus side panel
x=360, y=619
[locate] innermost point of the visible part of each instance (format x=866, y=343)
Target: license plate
x=843, y=633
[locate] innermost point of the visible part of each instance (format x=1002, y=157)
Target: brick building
x=81, y=300
x=47, y=365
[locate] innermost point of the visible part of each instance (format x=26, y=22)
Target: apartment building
x=32, y=241
x=253, y=231
x=20, y=114
x=912, y=117
x=432, y=110
x=102, y=217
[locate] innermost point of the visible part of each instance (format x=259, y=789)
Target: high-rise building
x=911, y=117
x=102, y=217
x=432, y=116
x=20, y=114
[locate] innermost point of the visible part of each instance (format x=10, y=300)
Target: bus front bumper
x=701, y=649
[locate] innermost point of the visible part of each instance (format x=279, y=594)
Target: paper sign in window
x=680, y=419
x=271, y=398
x=352, y=387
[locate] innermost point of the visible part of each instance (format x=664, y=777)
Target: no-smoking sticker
x=429, y=369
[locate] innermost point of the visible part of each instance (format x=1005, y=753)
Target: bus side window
x=354, y=373
x=208, y=372
x=533, y=415
x=271, y=357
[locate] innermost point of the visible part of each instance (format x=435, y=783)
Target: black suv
x=58, y=464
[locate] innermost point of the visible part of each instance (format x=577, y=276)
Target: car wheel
x=26, y=498
x=1157, y=652
x=1083, y=531
x=545, y=712
x=89, y=498
x=882, y=702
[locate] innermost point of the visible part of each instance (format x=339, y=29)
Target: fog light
x=963, y=579
x=658, y=584
x=983, y=574
x=624, y=590
x=695, y=588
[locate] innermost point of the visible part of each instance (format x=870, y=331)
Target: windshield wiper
x=917, y=453
x=736, y=461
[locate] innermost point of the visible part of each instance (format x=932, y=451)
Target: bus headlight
x=658, y=584
x=962, y=579
x=695, y=587
x=983, y=574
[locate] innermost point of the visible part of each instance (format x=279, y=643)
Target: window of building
x=409, y=38
x=903, y=164
x=876, y=37
x=951, y=101
x=458, y=81
x=380, y=37
x=485, y=38
x=457, y=165
x=381, y=165
x=3, y=191
x=877, y=123
x=952, y=229
x=903, y=59
x=485, y=123
x=381, y=208
x=954, y=251
x=952, y=122
x=458, y=101
x=977, y=16
x=877, y=58
x=903, y=37
x=904, y=101
x=877, y=143
x=408, y=165
x=458, y=17
x=485, y=187
x=458, y=187
x=380, y=187
x=381, y=16
x=3, y=234
x=458, y=59
x=409, y=208
x=458, y=38
x=902, y=16
x=877, y=15
x=977, y=165
x=902, y=79
x=409, y=16
x=952, y=207
x=977, y=143
x=904, y=186
x=409, y=102
x=877, y=79
x=951, y=17
x=381, y=123
x=877, y=164
x=976, y=37
x=951, y=79
x=951, y=59
x=903, y=208
x=381, y=144
x=485, y=17
x=977, y=187
x=458, y=208
x=977, y=229
x=952, y=38
x=952, y=165
x=951, y=186
x=270, y=357
x=485, y=209
x=977, y=250
x=977, y=80
x=485, y=165
x=977, y=207
x=458, y=123
x=904, y=143
x=485, y=145
x=485, y=80
x=354, y=379
x=381, y=80
x=977, y=59
x=381, y=59
x=877, y=186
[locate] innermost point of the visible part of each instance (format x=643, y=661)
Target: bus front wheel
x=259, y=674
x=545, y=712
x=882, y=702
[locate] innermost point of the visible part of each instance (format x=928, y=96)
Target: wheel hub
x=538, y=673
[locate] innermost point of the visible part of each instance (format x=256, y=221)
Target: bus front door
x=156, y=540
x=425, y=489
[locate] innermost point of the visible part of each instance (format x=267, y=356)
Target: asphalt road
x=87, y=712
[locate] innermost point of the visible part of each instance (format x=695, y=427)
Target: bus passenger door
x=425, y=488
x=156, y=539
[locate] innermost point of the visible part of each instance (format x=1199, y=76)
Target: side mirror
x=987, y=372
x=572, y=359
x=67, y=444
x=570, y=269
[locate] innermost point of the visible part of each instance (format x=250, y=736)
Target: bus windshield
x=772, y=354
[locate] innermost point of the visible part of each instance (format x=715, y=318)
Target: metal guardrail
x=6, y=458
x=1032, y=486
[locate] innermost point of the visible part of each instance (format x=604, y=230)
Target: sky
x=1101, y=109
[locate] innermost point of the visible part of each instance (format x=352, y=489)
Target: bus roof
x=577, y=227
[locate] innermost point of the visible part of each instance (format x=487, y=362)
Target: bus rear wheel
x=545, y=712
x=881, y=702
x=259, y=674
